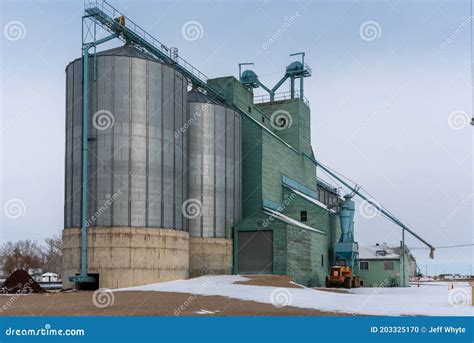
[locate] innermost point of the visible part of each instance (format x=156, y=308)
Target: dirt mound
x=20, y=282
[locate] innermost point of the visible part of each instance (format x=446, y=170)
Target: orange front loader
x=342, y=276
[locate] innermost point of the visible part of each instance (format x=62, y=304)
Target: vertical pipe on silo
x=85, y=134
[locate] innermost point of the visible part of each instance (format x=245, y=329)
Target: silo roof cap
x=126, y=50
x=197, y=96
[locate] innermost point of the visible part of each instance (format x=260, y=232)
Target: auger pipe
x=85, y=150
x=278, y=85
x=270, y=92
x=385, y=213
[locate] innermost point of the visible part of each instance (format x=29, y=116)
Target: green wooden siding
x=267, y=155
x=378, y=276
x=298, y=252
x=298, y=135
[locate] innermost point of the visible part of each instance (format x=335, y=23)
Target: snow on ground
x=427, y=299
x=203, y=311
x=426, y=278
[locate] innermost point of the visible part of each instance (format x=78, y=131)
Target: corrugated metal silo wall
x=137, y=169
x=214, y=156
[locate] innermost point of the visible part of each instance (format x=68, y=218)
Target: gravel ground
x=141, y=304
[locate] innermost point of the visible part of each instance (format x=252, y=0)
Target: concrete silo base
x=127, y=256
x=209, y=256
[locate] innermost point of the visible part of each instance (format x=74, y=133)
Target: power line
x=447, y=246
x=380, y=206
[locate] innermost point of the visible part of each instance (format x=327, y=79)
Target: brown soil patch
x=142, y=304
x=333, y=290
x=269, y=280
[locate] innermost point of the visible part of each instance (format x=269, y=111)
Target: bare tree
x=24, y=254
x=52, y=255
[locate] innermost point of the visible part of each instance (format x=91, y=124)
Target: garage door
x=255, y=253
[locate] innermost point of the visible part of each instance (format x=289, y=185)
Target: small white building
x=47, y=277
x=381, y=264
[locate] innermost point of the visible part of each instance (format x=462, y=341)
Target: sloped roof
x=288, y=220
x=49, y=274
x=378, y=252
x=310, y=199
x=197, y=96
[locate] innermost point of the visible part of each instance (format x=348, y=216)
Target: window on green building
x=364, y=265
x=388, y=265
x=322, y=260
x=304, y=216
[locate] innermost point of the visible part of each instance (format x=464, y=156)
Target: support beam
x=274, y=89
x=272, y=94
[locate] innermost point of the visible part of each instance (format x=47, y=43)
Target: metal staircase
x=115, y=22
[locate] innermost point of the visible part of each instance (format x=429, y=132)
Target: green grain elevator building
x=285, y=228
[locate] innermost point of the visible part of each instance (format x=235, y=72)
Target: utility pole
x=403, y=258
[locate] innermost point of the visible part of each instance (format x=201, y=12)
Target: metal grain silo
x=137, y=168
x=214, y=181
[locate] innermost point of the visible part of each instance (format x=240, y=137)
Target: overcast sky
x=391, y=97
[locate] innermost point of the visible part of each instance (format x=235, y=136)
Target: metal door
x=255, y=253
